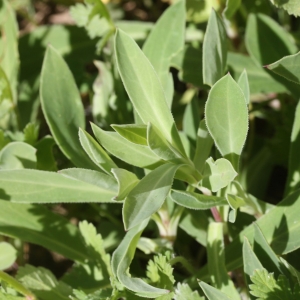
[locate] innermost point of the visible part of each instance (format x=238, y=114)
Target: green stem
x=17, y=286
x=184, y=262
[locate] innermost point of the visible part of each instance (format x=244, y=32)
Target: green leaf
x=260, y=81
x=262, y=33
x=266, y=287
x=231, y=7
x=16, y=285
x=5, y=89
x=214, y=50
x=31, y=133
x=216, y=261
x=136, y=73
x=34, y=224
x=265, y=253
x=32, y=186
x=148, y=195
x=195, y=224
x=293, y=180
x=203, y=146
x=196, y=201
x=287, y=67
x=96, y=251
x=250, y=260
x=191, y=119
x=62, y=107
x=189, y=63
x=122, y=258
x=126, y=181
x=9, y=55
x=96, y=152
x=291, y=6
x=18, y=155
x=280, y=231
x=244, y=85
x=212, y=293
x=226, y=116
x=217, y=174
x=160, y=272
x=44, y=154
x=169, y=33
x=8, y=255
x=71, y=42
x=183, y=292
x=43, y=283
x=159, y=145
x=234, y=202
x=137, y=155
x=136, y=134
x=103, y=88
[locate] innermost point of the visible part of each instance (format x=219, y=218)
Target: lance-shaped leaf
x=96, y=152
x=244, y=85
x=293, y=180
x=136, y=134
x=251, y=262
x=291, y=6
x=159, y=145
x=126, y=181
x=38, y=225
x=18, y=155
x=96, y=178
x=141, y=83
x=216, y=261
x=32, y=186
x=212, y=293
x=262, y=33
x=196, y=201
x=8, y=255
x=217, y=174
x=9, y=54
x=134, y=154
x=62, y=107
x=214, y=50
x=5, y=89
x=168, y=32
x=191, y=119
x=148, y=195
x=288, y=67
x=203, y=146
x=226, y=116
x=122, y=258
